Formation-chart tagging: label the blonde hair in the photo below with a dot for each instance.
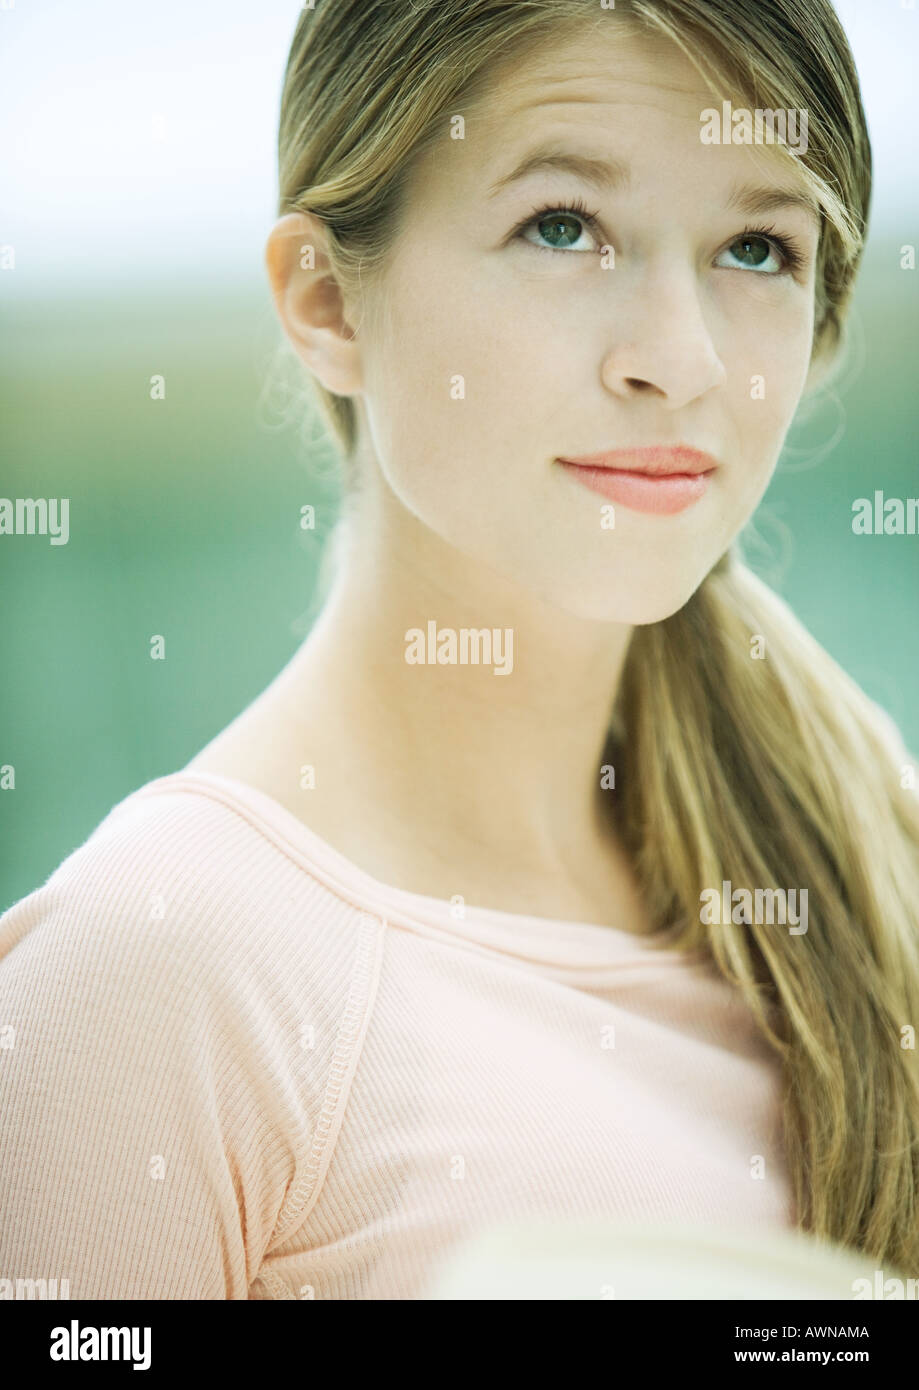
(778, 771)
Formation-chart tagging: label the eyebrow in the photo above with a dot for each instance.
(601, 174)
(609, 175)
(753, 199)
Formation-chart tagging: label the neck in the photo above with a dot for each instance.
(463, 759)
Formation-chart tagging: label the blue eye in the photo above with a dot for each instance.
(763, 252)
(759, 249)
(561, 227)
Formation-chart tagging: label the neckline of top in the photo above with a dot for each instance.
(552, 941)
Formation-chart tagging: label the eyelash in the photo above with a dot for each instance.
(789, 249)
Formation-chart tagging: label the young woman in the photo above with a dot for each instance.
(560, 873)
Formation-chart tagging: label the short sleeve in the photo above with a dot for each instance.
(139, 1156)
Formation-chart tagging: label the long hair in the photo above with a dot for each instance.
(777, 771)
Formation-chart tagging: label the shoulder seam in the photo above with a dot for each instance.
(272, 836)
(352, 1030)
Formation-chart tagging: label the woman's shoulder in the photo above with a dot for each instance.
(177, 1003)
(187, 879)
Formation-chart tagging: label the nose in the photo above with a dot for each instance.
(661, 343)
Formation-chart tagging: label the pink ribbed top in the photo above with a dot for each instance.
(234, 1065)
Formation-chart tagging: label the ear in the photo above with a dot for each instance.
(309, 302)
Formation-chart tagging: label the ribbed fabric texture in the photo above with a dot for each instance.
(235, 1066)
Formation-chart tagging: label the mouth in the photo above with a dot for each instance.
(657, 480)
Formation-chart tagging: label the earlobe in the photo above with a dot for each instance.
(309, 301)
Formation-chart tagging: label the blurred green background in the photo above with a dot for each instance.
(184, 513)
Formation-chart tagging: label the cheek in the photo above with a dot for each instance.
(767, 379)
(456, 386)
(471, 388)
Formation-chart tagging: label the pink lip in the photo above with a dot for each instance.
(660, 481)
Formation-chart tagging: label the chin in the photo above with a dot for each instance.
(632, 608)
(636, 599)
(644, 614)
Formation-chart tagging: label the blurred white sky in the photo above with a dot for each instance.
(137, 142)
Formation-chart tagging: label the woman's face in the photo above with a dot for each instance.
(501, 342)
